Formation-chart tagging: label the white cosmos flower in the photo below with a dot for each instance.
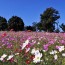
(55, 57)
(53, 52)
(63, 54)
(27, 49)
(32, 40)
(3, 56)
(16, 53)
(24, 44)
(39, 55)
(9, 57)
(37, 58)
(34, 51)
(27, 41)
(1, 59)
(44, 50)
(61, 48)
(38, 43)
(37, 52)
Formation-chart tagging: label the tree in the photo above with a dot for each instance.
(62, 26)
(15, 23)
(29, 28)
(3, 24)
(48, 19)
(39, 26)
(34, 25)
(57, 30)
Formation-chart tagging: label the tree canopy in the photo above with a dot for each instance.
(47, 22)
(15, 23)
(48, 19)
(30, 28)
(62, 26)
(3, 24)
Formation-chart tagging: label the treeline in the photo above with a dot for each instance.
(48, 22)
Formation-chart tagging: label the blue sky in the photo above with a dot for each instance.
(30, 10)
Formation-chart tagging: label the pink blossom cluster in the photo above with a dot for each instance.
(31, 46)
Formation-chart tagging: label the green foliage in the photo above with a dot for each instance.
(15, 23)
(34, 25)
(3, 23)
(57, 30)
(48, 18)
(37, 26)
(62, 26)
(29, 28)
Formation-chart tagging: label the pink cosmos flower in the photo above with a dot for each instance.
(51, 42)
(62, 41)
(45, 47)
(57, 47)
(9, 46)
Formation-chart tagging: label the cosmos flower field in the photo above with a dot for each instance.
(32, 48)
